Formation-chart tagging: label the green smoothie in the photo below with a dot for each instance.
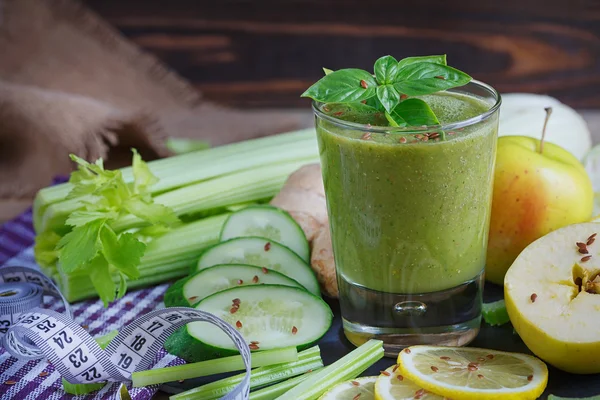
(409, 213)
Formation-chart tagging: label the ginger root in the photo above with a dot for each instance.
(303, 197)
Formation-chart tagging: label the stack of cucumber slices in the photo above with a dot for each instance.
(258, 280)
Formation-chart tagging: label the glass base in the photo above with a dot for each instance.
(446, 318)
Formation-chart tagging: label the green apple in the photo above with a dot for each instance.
(552, 294)
(538, 187)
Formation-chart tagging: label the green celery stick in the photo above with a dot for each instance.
(495, 313)
(308, 360)
(212, 367)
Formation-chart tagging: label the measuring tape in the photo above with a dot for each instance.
(31, 332)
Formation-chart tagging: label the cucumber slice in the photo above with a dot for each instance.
(268, 222)
(189, 291)
(261, 252)
(267, 315)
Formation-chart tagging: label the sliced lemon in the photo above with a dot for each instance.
(469, 373)
(391, 385)
(357, 389)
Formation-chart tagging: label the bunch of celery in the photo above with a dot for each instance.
(148, 223)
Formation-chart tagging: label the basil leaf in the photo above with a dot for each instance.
(441, 59)
(388, 96)
(327, 71)
(415, 112)
(343, 86)
(425, 78)
(375, 103)
(395, 119)
(386, 69)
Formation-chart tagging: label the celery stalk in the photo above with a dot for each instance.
(212, 367)
(346, 368)
(85, 388)
(274, 391)
(51, 210)
(309, 359)
(495, 313)
(167, 257)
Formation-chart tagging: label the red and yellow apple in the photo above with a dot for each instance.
(535, 192)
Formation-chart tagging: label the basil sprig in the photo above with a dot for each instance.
(389, 87)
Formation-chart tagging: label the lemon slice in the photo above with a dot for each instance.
(469, 373)
(392, 386)
(357, 389)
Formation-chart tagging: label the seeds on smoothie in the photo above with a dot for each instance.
(337, 114)
(586, 258)
(255, 279)
(363, 83)
(366, 136)
(583, 251)
(533, 297)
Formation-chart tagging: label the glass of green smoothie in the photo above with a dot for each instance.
(407, 157)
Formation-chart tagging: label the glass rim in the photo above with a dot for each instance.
(424, 128)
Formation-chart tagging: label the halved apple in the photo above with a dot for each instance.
(552, 294)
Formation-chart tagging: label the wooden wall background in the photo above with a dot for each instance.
(266, 52)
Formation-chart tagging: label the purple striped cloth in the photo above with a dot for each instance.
(37, 379)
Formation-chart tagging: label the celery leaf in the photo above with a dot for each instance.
(82, 217)
(80, 246)
(45, 248)
(122, 252)
(142, 177)
(122, 289)
(151, 212)
(102, 279)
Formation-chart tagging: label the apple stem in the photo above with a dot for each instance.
(548, 114)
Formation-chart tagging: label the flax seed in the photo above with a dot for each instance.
(356, 397)
(10, 382)
(238, 325)
(233, 310)
(240, 282)
(264, 270)
(363, 83)
(444, 358)
(255, 279)
(384, 373)
(400, 378)
(533, 297)
(434, 368)
(590, 241)
(395, 368)
(267, 247)
(366, 136)
(253, 347)
(586, 258)
(407, 350)
(294, 330)
(530, 378)
(592, 236)
(355, 383)
(402, 139)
